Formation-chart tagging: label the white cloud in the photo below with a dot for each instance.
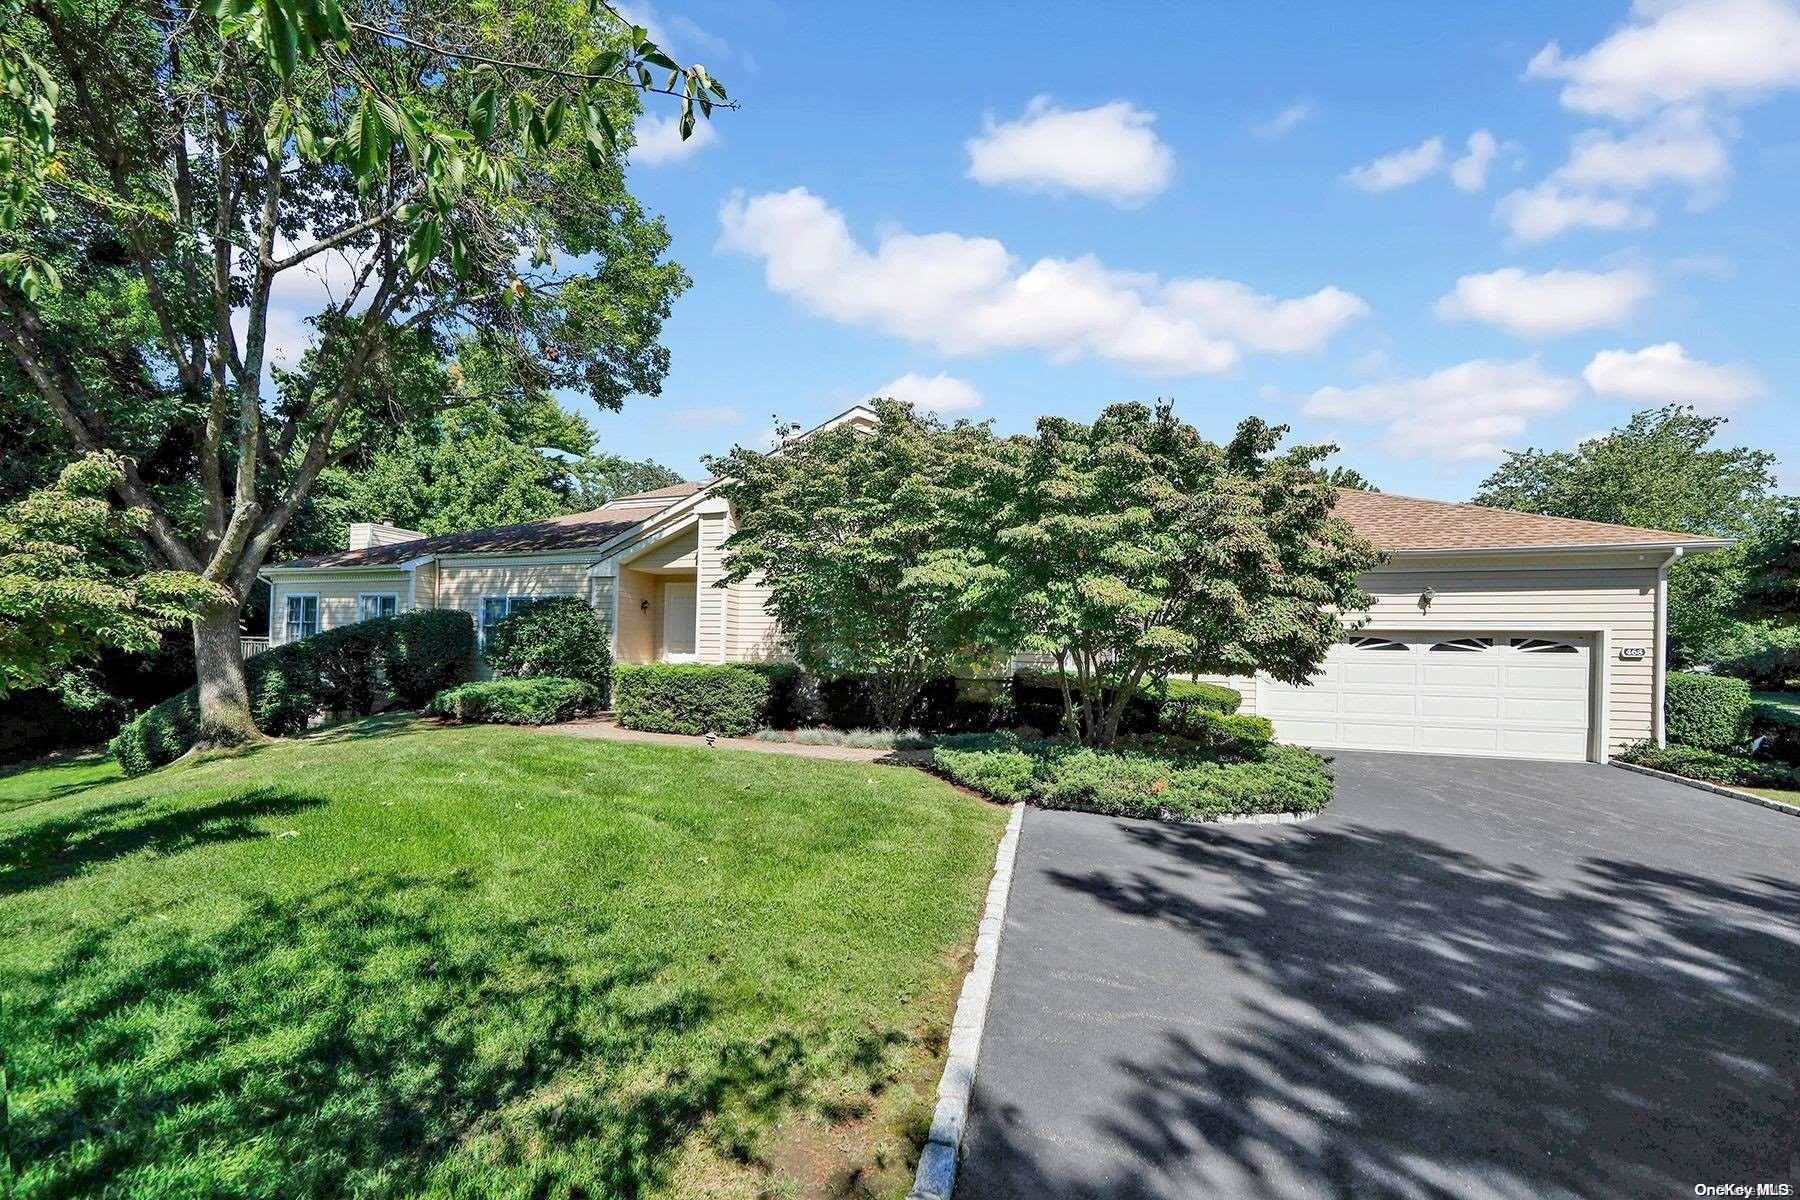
(1109, 151)
(1469, 411)
(710, 416)
(1399, 169)
(1543, 305)
(1664, 374)
(931, 393)
(1682, 147)
(1470, 172)
(967, 295)
(1286, 121)
(1261, 322)
(1675, 52)
(659, 139)
(1549, 209)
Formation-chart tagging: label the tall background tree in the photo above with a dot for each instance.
(458, 165)
(1661, 470)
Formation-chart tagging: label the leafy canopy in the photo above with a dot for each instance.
(70, 583)
(869, 543)
(1133, 549)
(1660, 470)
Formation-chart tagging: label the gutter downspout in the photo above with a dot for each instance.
(1660, 668)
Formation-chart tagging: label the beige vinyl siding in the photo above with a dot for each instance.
(753, 635)
(601, 597)
(635, 640)
(424, 587)
(675, 554)
(337, 592)
(462, 584)
(709, 639)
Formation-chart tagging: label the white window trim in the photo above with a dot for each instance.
(361, 596)
(318, 615)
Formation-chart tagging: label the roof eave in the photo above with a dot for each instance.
(1687, 546)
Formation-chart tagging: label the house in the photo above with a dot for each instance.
(1492, 633)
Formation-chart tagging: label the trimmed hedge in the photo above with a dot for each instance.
(1197, 784)
(559, 637)
(730, 699)
(1711, 712)
(1191, 692)
(347, 671)
(1712, 766)
(540, 700)
(1211, 728)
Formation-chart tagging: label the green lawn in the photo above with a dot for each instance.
(1787, 700)
(1785, 795)
(399, 960)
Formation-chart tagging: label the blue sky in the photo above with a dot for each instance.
(1425, 232)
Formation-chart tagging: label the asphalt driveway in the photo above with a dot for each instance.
(1470, 978)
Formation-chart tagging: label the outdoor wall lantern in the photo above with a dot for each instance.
(1425, 599)
(643, 606)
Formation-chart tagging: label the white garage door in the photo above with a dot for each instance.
(1511, 696)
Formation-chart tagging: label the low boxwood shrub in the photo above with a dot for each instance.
(1713, 766)
(1196, 783)
(1711, 712)
(558, 636)
(1212, 728)
(540, 700)
(1191, 692)
(347, 671)
(731, 699)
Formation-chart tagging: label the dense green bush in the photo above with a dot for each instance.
(1212, 728)
(1711, 712)
(540, 700)
(1038, 703)
(1197, 783)
(346, 671)
(730, 699)
(1773, 667)
(1778, 725)
(1711, 765)
(558, 636)
(1192, 692)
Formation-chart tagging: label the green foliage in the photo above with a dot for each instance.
(1349, 477)
(348, 671)
(72, 582)
(1774, 666)
(1711, 712)
(730, 699)
(1134, 549)
(458, 942)
(1212, 728)
(1772, 565)
(1713, 766)
(559, 636)
(542, 700)
(1196, 784)
(1214, 696)
(1659, 471)
(864, 541)
(1776, 720)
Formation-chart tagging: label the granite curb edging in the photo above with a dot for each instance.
(936, 1177)
(1715, 788)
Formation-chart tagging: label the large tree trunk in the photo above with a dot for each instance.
(219, 662)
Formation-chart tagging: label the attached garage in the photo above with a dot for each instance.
(1505, 695)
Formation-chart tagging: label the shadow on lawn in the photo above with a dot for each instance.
(389, 1035)
(47, 851)
(1419, 1022)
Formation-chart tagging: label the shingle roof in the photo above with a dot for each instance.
(1399, 523)
(570, 532)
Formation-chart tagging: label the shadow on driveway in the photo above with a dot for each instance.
(1489, 989)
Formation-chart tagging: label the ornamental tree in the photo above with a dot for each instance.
(1132, 549)
(870, 542)
(71, 582)
(440, 169)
